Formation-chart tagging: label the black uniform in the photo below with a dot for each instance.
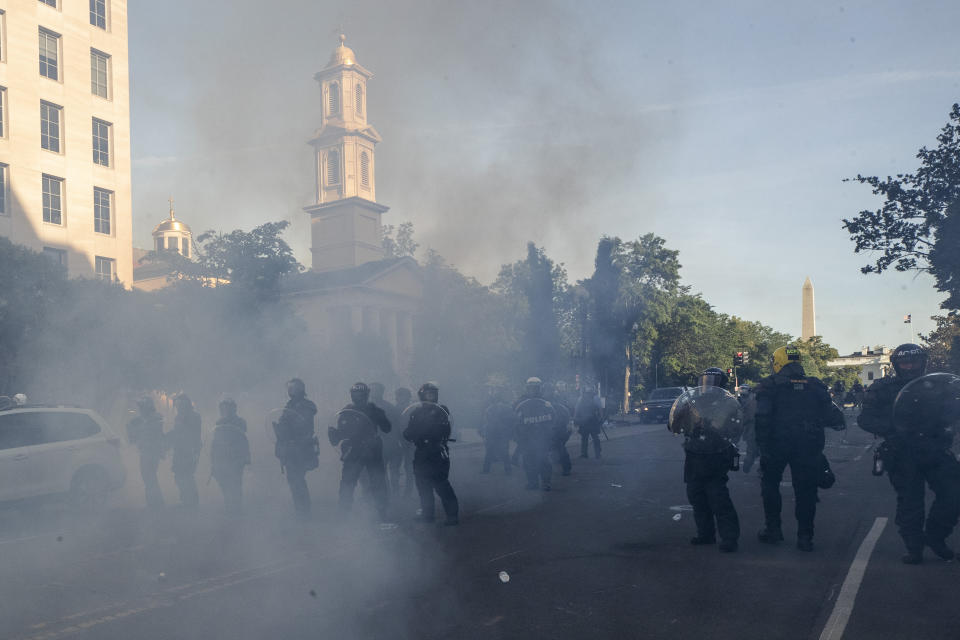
(535, 421)
(297, 448)
(911, 462)
(748, 402)
(792, 411)
(709, 456)
(229, 454)
(362, 449)
(185, 440)
(499, 422)
(428, 429)
(145, 431)
(559, 437)
(588, 416)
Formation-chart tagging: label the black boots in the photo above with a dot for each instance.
(770, 536)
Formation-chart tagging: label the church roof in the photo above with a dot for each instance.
(171, 224)
(342, 54)
(341, 278)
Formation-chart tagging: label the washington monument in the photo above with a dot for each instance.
(808, 328)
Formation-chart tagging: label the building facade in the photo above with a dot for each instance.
(353, 288)
(874, 363)
(65, 133)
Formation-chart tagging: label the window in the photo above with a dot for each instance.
(102, 199)
(3, 190)
(3, 112)
(186, 247)
(49, 54)
(334, 98)
(98, 13)
(49, 3)
(869, 375)
(99, 74)
(58, 256)
(104, 267)
(359, 100)
(3, 36)
(333, 167)
(160, 243)
(364, 169)
(173, 243)
(50, 118)
(101, 142)
(52, 199)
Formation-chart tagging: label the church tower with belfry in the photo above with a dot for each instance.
(345, 219)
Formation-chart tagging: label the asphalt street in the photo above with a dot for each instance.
(606, 554)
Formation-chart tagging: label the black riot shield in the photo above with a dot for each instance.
(706, 409)
(928, 406)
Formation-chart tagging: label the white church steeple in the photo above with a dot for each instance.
(345, 219)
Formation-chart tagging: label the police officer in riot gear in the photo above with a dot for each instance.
(560, 432)
(498, 425)
(792, 411)
(185, 440)
(229, 454)
(357, 431)
(402, 398)
(392, 440)
(710, 420)
(145, 432)
(428, 428)
(296, 445)
(588, 416)
(535, 421)
(914, 458)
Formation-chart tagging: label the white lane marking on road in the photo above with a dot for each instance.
(843, 607)
(506, 555)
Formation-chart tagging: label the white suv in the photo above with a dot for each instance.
(58, 450)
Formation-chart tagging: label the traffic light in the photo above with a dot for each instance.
(746, 357)
(738, 359)
(729, 372)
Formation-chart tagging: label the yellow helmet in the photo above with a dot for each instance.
(783, 356)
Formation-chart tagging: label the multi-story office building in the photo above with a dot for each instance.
(65, 133)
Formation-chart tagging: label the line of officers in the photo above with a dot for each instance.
(783, 421)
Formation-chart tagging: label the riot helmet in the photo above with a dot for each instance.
(359, 393)
(909, 361)
(403, 396)
(534, 387)
(376, 391)
(296, 388)
(714, 377)
(429, 392)
(228, 407)
(784, 356)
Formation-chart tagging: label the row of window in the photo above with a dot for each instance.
(174, 243)
(105, 268)
(98, 11)
(333, 99)
(50, 64)
(52, 189)
(333, 168)
(51, 130)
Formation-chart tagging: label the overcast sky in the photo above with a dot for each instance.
(728, 131)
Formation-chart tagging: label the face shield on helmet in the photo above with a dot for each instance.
(714, 377)
(909, 361)
(429, 392)
(359, 393)
(784, 356)
(296, 388)
(534, 387)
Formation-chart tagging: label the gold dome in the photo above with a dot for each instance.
(172, 224)
(342, 54)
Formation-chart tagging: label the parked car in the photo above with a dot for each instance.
(46, 451)
(656, 408)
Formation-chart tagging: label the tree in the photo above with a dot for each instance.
(537, 288)
(398, 242)
(943, 344)
(918, 225)
(815, 354)
(254, 261)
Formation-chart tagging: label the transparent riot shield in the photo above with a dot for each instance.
(706, 409)
(929, 406)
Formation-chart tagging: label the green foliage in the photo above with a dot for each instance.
(398, 242)
(943, 344)
(815, 353)
(918, 225)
